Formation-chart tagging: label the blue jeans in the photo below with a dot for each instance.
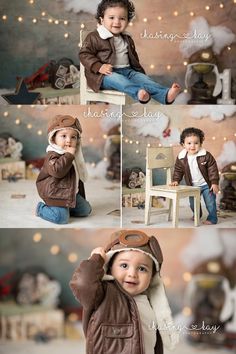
(130, 82)
(60, 215)
(210, 202)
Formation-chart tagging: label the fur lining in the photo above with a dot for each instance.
(109, 255)
(105, 34)
(158, 300)
(183, 153)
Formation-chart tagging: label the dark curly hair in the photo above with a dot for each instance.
(104, 4)
(192, 131)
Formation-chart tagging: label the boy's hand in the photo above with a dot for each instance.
(106, 69)
(70, 149)
(101, 251)
(174, 183)
(214, 188)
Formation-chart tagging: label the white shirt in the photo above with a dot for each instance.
(121, 47)
(147, 317)
(197, 177)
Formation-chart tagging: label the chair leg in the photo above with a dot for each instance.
(175, 220)
(196, 210)
(170, 209)
(148, 200)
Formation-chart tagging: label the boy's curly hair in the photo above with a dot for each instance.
(192, 131)
(104, 4)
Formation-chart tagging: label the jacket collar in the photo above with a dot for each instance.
(183, 153)
(105, 34)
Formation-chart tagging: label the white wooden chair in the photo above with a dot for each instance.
(157, 157)
(87, 95)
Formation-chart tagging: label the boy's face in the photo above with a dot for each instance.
(66, 138)
(133, 271)
(192, 144)
(115, 19)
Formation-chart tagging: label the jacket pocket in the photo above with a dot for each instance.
(117, 338)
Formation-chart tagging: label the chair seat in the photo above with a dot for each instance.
(108, 92)
(175, 189)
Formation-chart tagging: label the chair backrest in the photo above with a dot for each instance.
(159, 157)
(83, 81)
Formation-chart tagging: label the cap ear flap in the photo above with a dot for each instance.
(78, 125)
(156, 249)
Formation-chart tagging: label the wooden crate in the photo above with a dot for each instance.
(10, 168)
(24, 322)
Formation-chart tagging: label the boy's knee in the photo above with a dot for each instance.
(61, 216)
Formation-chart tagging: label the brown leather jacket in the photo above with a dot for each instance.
(206, 163)
(96, 51)
(110, 316)
(56, 181)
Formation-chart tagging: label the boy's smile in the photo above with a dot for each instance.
(133, 271)
(115, 19)
(192, 144)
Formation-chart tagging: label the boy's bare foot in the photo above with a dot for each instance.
(173, 92)
(143, 96)
(207, 222)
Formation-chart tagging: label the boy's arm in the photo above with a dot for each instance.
(59, 165)
(86, 283)
(88, 54)
(213, 172)
(178, 171)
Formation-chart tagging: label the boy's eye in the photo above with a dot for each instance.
(124, 265)
(142, 269)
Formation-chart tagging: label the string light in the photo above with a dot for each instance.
(152, 66)
(20, 19)
(185, 91)
(104, 136)
(31, 2)
(50, 20)
(185, 63)
(37, 237)
(66, 35)
(6, 114)
(91, 140)
(168, 67)
(82, 25)
(65, 22)
(221, 6)
(187, 311)
(131, 24)
(137, 151)
(4, 17)
(39, 132)
(34, 20)
(56, 22)
(19, 106)
(159, 18)
(72, 257)
(187, 276)
(175, 13)
(229, 48)
(131, 142)
(17, 121)
(207, 7)
(191, 13)
(213, 138)
(145, 19)
(55, 249)
(43, 13)
(137, 142)
(29, 126)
